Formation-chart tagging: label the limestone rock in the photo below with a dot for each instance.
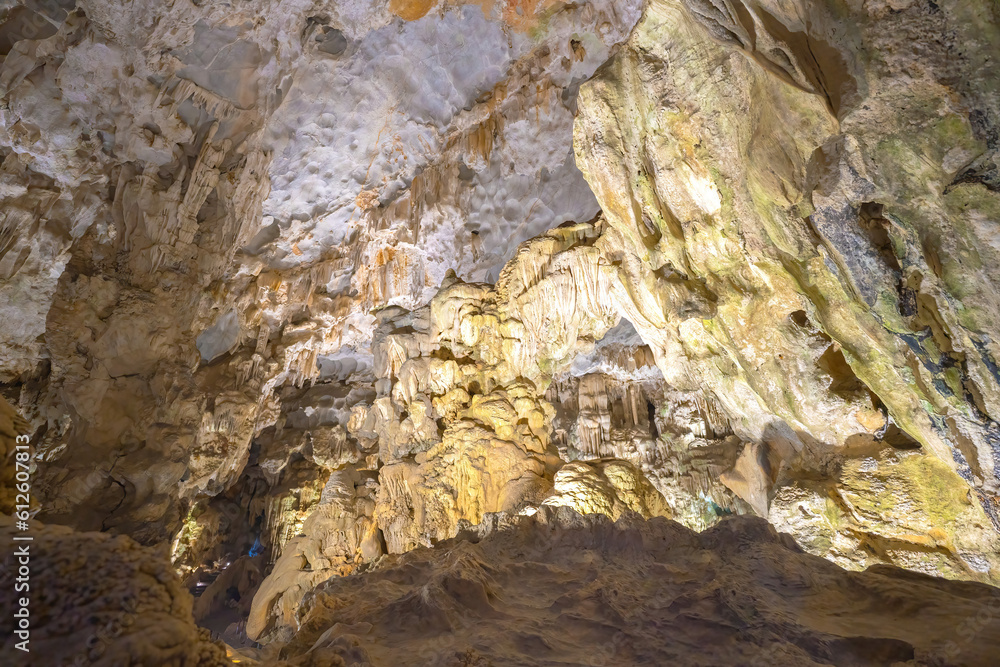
(752, 477)
(193, 221)
(295, 287)
(606, 487)
(801, 202)
(103, 600)
(464, 429)
(894, 506)
(559, 587)
(613, 402)
(338, 536)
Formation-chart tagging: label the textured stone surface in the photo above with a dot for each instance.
(606, 487)
(558, 588)
(203, 203)
(894, 506)
(292, 285)
(807, 187)
(339, 535)
(97, 599)
(463, 427)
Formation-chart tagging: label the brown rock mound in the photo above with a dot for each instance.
(98, 599)
(559, 588)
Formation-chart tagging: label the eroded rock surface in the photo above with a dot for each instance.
(98, 599)
(562, 588)
(204, 203)
(290, 286)
(339, 535)
(804, 197)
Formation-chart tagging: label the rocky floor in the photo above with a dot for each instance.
(563, 589)
(553, 588)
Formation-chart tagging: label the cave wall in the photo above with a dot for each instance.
(337, 280)
(823, 183)
(193, 222)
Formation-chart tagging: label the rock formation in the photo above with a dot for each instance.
(202, 246)
(734, 148)
(98, 599)
(562, 588)
(815, 187)
(291, 289)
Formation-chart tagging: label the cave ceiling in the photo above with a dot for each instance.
(291, 289)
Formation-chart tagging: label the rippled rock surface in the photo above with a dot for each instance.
(560, 588)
